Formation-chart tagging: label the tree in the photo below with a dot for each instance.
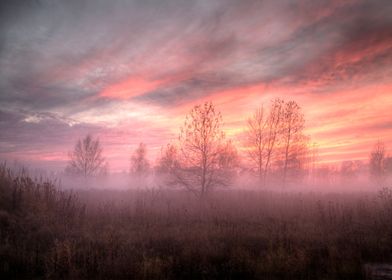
(377, 161)
(86, 159)
(167, 165)
(229, 161)
(256, 140)
(139, 163)
(168, 160)
(293, 140)
(204, 155)
(350, 169)
(276, 140)
(313, 161)
(273, 130)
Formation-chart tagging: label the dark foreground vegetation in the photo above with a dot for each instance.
(151, 234)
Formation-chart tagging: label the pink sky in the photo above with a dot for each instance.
(133, 76)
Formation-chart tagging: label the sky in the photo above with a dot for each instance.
(129, 71)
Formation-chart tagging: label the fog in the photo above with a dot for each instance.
(175, 139)
(123, 181)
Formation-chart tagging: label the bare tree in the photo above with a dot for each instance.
(293, 140)
(350, 169)
(377, 161)
(139, 163)
(86, 159)
(168, 159)
(275, 140)
(313, 161)
(229, 161)
(203, 152)
(256, 140)
(167, 165)
(273, 130)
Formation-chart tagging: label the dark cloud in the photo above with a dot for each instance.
(318, 52)
(43, 136)
(357, 48)
(197, 86)
(28, 131)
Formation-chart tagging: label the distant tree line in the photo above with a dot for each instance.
(202, 158)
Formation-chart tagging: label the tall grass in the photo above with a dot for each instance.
(167, 234)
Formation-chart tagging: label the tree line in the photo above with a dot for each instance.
(275, 148)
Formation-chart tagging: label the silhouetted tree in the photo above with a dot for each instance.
(204, 153)
(293, 140)
(139, 163)
(168, 159)
(229, 161)
(276, 140)
(167, 164)
(273, 130)
(257, 140)
(377, 161)
(313, 161)
(350, 168)
(86, 159)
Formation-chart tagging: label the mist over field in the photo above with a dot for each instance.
(206, 139)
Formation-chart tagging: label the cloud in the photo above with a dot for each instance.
(44, 136)
(67, 67)
(36, 131)
(362, 52)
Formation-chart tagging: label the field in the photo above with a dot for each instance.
(169, 234)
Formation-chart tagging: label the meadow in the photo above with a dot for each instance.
(50, 233)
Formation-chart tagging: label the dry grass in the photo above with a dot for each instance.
(167, 234)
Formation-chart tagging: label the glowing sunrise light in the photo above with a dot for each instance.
(138, 73)
(131, 87)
